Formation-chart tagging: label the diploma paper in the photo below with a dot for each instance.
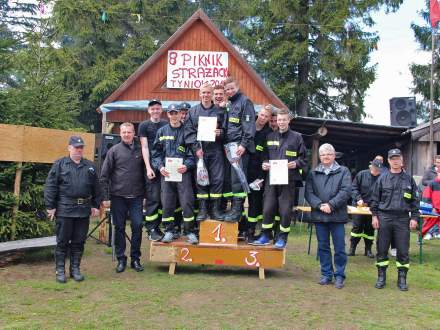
(171, 165)
(278, 173)
(206, 129)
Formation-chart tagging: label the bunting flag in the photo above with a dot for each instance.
(434, 12)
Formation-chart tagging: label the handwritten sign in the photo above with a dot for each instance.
(187, 69)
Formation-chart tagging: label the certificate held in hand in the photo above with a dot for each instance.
(206, 129)
(278, 172)
(172, 165)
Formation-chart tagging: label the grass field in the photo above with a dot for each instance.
(212, 297)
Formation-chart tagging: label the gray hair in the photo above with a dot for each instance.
(327, 147)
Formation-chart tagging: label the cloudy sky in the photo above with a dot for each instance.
(397, 49)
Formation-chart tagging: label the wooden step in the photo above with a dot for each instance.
(213, 232)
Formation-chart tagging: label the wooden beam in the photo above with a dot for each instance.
(172, 269)
(261, 273)
(17, 184)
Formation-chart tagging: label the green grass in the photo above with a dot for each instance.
(210, 297)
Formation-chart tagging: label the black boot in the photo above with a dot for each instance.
(216, 212)
(75, 262)
(250, 232)
(368, 252)
(352, 251)
(203, 210)
(381, 277)
(60, 262)
(235, 214)
(122, 263)
(401, 279)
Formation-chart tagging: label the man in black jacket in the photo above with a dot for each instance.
(287, 145)
(147, 133)
(431, 173)
(71, 194)
(394, 206)
(363, 184)
(122, 177)
(170, 143)
(210, 152)
(328, 190)
(239, 128)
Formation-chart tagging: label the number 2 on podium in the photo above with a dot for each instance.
(218, 233)
(184, 253)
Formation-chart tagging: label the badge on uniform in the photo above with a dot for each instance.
(248, 117)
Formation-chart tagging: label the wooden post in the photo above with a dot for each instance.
(315, 156)
(17, 183)
(172, 268)
(261, 273)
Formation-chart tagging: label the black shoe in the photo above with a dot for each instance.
(203, 210)
(401, 280)
(325, 281)
(352, 251)
(155, 235)
(381, 277)
(368, 253)
(122, 263)
(235, 214)
(339, 282)
(136, 265)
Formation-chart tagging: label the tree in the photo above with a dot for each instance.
(422, 72)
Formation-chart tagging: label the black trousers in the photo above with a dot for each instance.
(255, 208)
(182, 192)
(71, 233)
(362, 228)
(214, 162)
(393, 226)
(278, 199)
(123, 208)
(236, 187)
(153, 207)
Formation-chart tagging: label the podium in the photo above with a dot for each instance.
(218, 245)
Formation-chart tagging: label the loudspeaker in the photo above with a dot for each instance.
(104, 142)
(403, 111)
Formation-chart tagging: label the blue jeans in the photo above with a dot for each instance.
(337, 231)
(121, 209)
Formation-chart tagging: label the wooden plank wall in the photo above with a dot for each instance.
(151, 84)
(39, 145)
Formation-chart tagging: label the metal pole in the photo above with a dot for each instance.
(431, 100)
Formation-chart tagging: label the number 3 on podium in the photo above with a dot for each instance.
(252, 261)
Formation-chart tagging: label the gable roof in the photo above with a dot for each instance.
(199, 15)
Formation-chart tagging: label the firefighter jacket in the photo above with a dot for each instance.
(122, 173)
(256, 159)
(395, 193)
(363, 185)
(192, 124)
(240, 122)
(288, 145)
(170, 142)
(72, 188)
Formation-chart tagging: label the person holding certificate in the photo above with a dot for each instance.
(284, 158)
(203, 134)
(175, 161)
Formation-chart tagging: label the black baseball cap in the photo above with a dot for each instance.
(173, 107)
(394, 152)
(76, 141)
(184, 106)
(153, 102)
(376, 163)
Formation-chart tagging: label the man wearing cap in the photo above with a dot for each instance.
(72, 194)
(122, 178)
(210, 152)
(147, 133)
(394, 206)
(363, 184)
(184, 108)
(169, 145)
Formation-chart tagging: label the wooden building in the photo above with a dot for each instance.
(149, 81)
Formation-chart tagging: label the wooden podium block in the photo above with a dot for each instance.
(213, 232)
(240, 255)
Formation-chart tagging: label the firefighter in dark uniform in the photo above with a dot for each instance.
(170, 143)
(147, 133)
(362, 188)
(255, 171)
(394, 206)
(72, 194)
(239, 128)
(282, 144)
(211, 152)
(184, 108)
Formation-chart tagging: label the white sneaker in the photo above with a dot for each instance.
(437, 236)
(393, 252)
(427, 237)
